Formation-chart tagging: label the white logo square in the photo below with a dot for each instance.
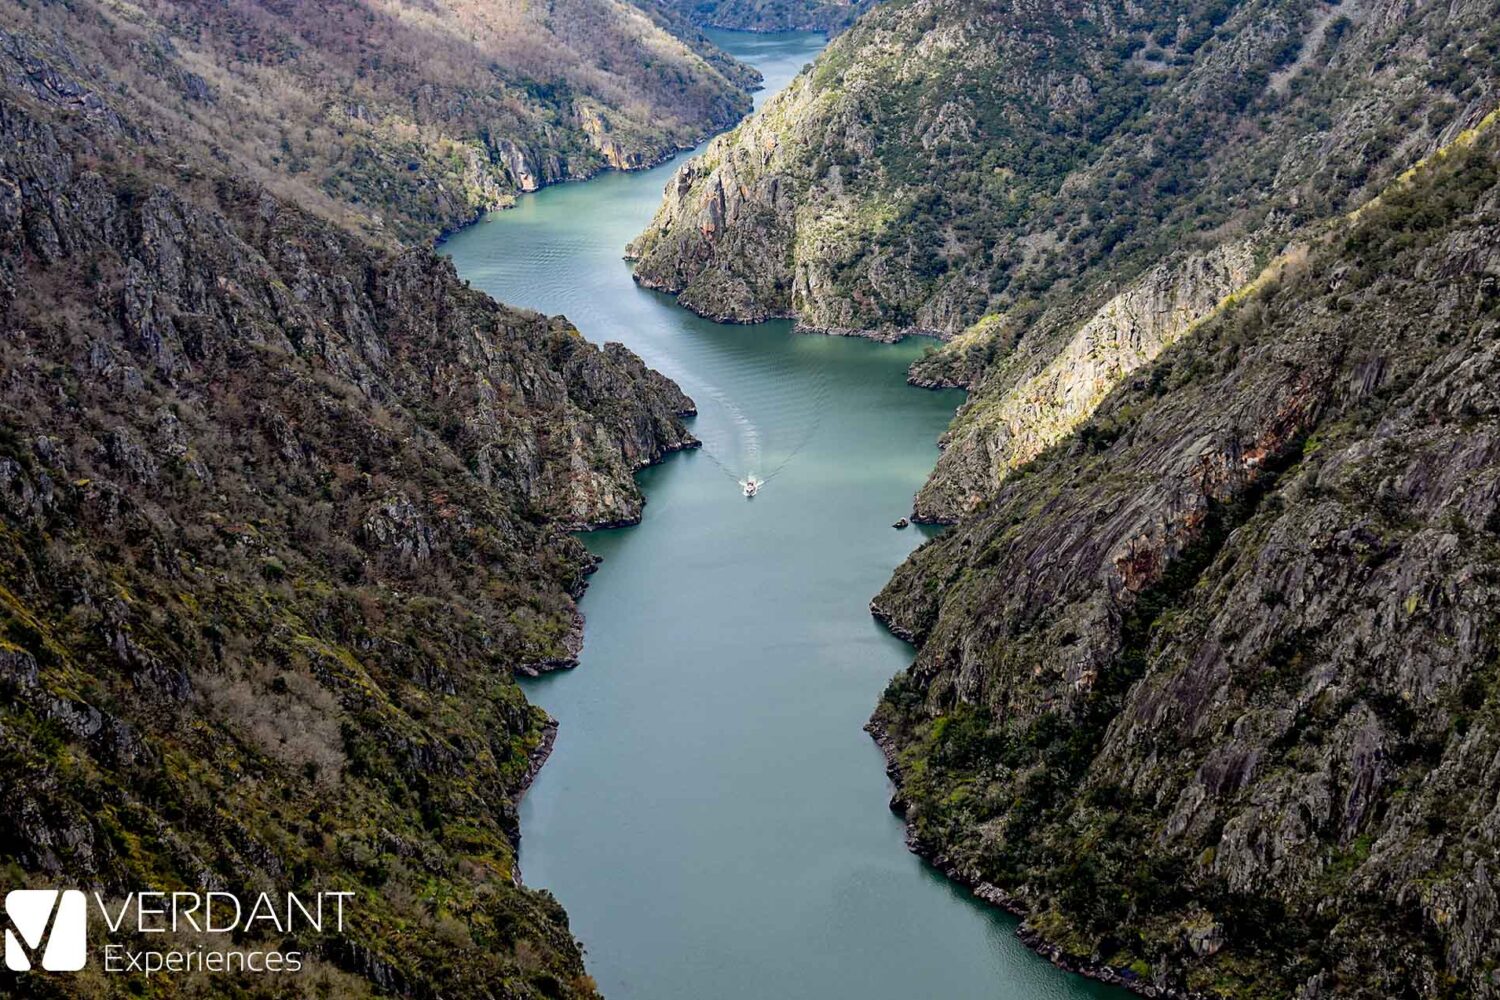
(32, 912)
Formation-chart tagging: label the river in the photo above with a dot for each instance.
(713, 817)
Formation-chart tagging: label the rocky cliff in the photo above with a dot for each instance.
(1207, 689)
(948, 159)
(1061, 189)
(1033, 402)
(400, 120)
(282, 514)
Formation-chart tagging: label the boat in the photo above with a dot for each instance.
(751, 487)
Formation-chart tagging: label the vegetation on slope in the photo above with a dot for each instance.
(399, 118)
(1205, 672)
(771, 15)
(281, 516)
(946, 159)
(1208, 688)
(1063, 189)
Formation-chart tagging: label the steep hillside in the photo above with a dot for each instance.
(402, 118)
(1209, 688)
(771, 15)
(1063, 189)
(281, 517)
(945, 159)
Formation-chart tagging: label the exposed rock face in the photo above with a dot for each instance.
(708, 227)
(1209, 687)
(601, 133)
(400, 120)
(281, 515)
(1009, 427)
(1035, 192)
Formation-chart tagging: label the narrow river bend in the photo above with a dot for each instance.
(713, 817)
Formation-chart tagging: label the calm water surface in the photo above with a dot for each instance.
(713, 817)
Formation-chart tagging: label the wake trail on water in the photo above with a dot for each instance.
(746, 435)
(791, 408)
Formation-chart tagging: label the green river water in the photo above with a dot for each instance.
(713, 817)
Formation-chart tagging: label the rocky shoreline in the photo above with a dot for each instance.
(638, 162)
(996, 896)
(721, 317)
(935, 382)
(572, 644)
(690, 443)
(883, 335)
(885, 618)
(536, 759)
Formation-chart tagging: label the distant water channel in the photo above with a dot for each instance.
(713, 817)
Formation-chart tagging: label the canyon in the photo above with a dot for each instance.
(1206, 648)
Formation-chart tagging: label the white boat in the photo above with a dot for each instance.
(751, 487)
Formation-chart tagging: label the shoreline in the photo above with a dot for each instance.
(995, 896)
(883, 335)
(649, 161)
(536, 760)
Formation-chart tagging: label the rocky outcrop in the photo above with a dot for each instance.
(716, 216)
(282, 515)
(1004, 429)
(1206, 689)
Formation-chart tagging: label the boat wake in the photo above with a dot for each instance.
(772, 427)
